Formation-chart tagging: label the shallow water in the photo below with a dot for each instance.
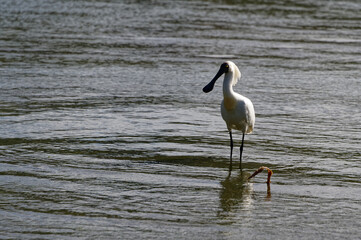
(106, 133)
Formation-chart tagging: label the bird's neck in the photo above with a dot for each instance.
(229, 97)
(227, 85)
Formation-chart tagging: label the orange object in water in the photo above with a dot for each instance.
(260, 170)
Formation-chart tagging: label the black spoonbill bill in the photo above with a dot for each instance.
(237, 111)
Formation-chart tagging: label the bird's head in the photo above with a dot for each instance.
(226, 68)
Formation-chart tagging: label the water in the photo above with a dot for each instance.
(106, 133)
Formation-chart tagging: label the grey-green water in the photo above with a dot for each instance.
(105, 132)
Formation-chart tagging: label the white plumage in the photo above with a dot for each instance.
(237, 111)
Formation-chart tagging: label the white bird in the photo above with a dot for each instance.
(237, 111)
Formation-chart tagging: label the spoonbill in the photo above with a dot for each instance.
(237, 111)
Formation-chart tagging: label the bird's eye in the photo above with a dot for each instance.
(225, 65)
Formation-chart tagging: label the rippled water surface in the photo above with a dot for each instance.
(105, 132)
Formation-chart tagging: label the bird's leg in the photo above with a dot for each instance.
(230, 158)
(241, 150)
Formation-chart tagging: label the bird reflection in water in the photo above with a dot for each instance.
(238, 190)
